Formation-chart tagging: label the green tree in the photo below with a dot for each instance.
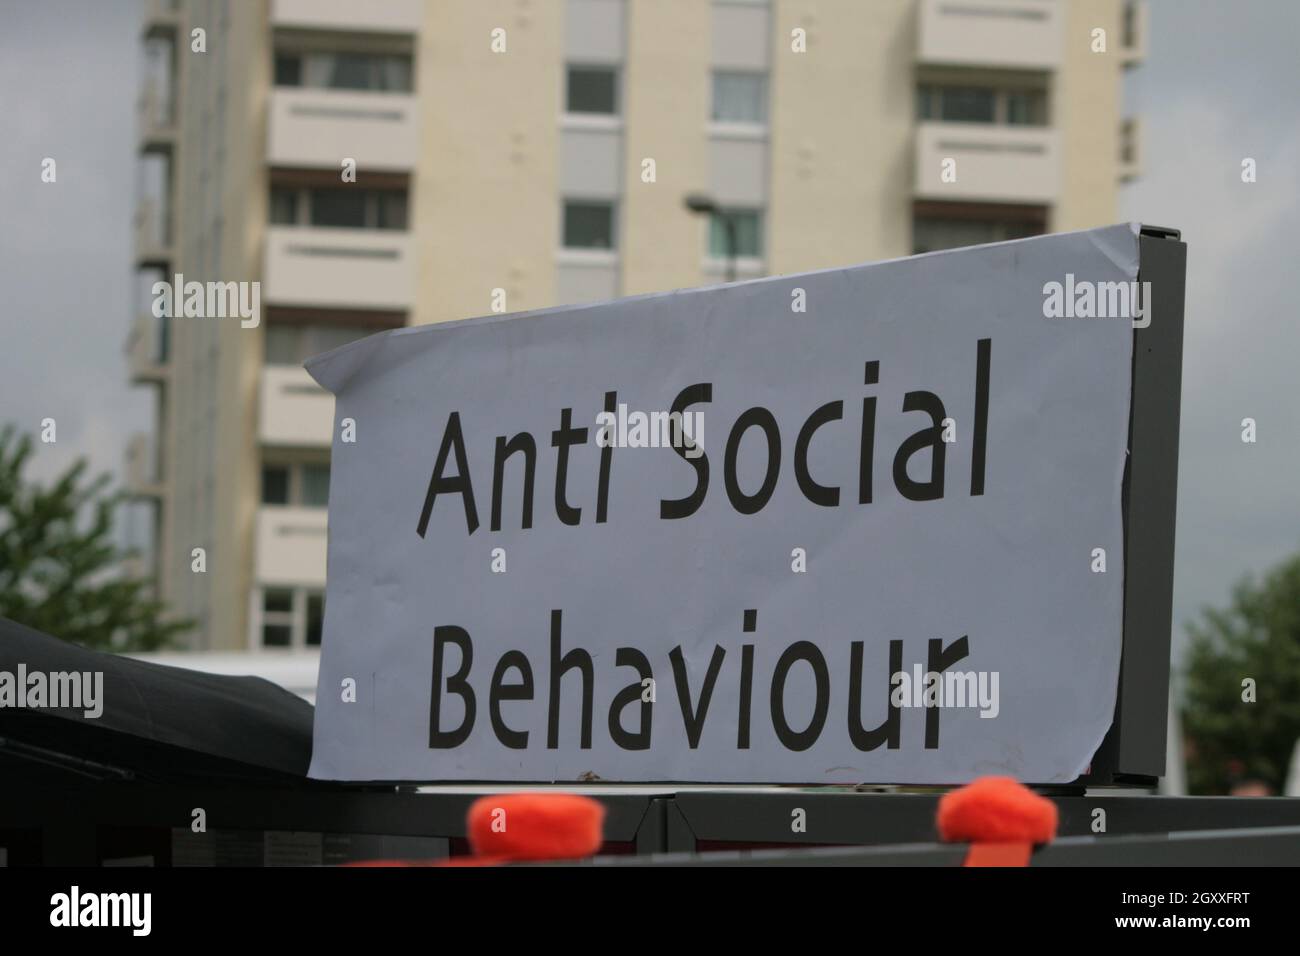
(1257, 638)
(59, 570)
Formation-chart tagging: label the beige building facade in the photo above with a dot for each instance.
(517, 154)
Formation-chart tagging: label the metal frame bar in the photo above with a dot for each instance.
(1134, 748)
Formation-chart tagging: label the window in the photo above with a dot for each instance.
(344, 71)
(294, 344)
(288, 69)
(344, 207)
(315, 618)
(277, 617)
(588, 225)
(391, 209)
(275, 485)
(302, 484)
(592, 89)
(748, 224)
(932, 234)
(338, 207)
(292, 617)
(1026, 107)
(971, 104)
(315, 485)
(739, 97)
(284, 206)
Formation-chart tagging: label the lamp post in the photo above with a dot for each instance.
(706, 206)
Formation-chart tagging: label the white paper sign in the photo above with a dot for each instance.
(908, 469)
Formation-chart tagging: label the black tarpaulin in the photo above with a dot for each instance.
(157, 722)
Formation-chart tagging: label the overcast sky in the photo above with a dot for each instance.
(1220, 84)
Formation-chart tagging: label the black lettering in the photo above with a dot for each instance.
(817, 494)
(576, 658)
(805, 651)
(521, 442)
(685, 507)
(694, 721)
(750, 504)
(499, 691)
(931, 437)
(561, 439)
(887, 732)
(631, 694)
(456, 684)
(452, 440)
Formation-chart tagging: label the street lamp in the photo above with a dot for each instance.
(706, 206)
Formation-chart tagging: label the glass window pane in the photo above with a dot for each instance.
(283, 345)
(1026, 108)
(931, 235)
(588, 225)
(315, 618)
(277, 600)
(392, 209)
(748, 226)
(592, 90)
(275, 487)
(315, 485)
(288, 69)
(967, 104)
(276, 635)
(338, 207)
(284, 206)
(353, 71)
(740, 97)
(924, 99)
(395, 74)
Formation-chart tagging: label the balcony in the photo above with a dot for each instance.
(391, 16)
(1133, 32)
(1015, 164)
(1130, 149)
(293, 410)
(161, 17)
(318, 128)
(321, 267)
(152, 235)
(142, 473)
(146, 351)
(291, 545)
(1001, 34)
(155, 120)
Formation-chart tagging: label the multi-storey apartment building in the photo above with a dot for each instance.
(539, 152)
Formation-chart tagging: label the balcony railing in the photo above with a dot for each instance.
(293, 410)
(1007, 34)
(1017, 164)
(339, 268)
(1135, 18)
(161, 17)
(318, 128)
(152, 234)
(142, 473)
(1130, 149)
(155, 118)
(146, 350)
(291, 545)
